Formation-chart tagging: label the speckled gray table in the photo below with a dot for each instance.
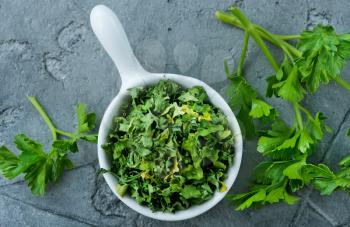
(48, 50)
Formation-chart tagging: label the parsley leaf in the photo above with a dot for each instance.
(243, 99)
(86, 122)
(290, 89)
(325, 180)
(260, 109)
(270, 185)
(324, 54)
(240, 97)
(9, 163)
(40, 167)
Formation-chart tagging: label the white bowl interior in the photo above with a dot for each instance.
(105, 161)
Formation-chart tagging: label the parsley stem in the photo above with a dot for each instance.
(264, 49)
(232, 20)
(243, 54)
(298, 115)
(249, 27)
(68, 134)
(44, 115)
(228, 19)
(275, 40)
(305, 110)
(342, 83)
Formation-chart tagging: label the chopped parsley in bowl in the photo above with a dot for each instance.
(170, 147)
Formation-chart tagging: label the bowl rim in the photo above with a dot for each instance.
(194, 210)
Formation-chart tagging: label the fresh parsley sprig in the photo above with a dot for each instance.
(320, 54)
(42, 167)
(319, 57)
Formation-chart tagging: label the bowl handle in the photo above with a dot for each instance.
(111, 35)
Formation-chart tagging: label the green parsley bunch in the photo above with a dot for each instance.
(318, 57)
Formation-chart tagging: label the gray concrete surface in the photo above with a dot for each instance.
(47, 49)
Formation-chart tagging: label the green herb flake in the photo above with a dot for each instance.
(172, 149)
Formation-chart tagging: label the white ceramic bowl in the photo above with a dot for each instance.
(110, 33)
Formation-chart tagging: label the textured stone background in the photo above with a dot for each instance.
(48, 50)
